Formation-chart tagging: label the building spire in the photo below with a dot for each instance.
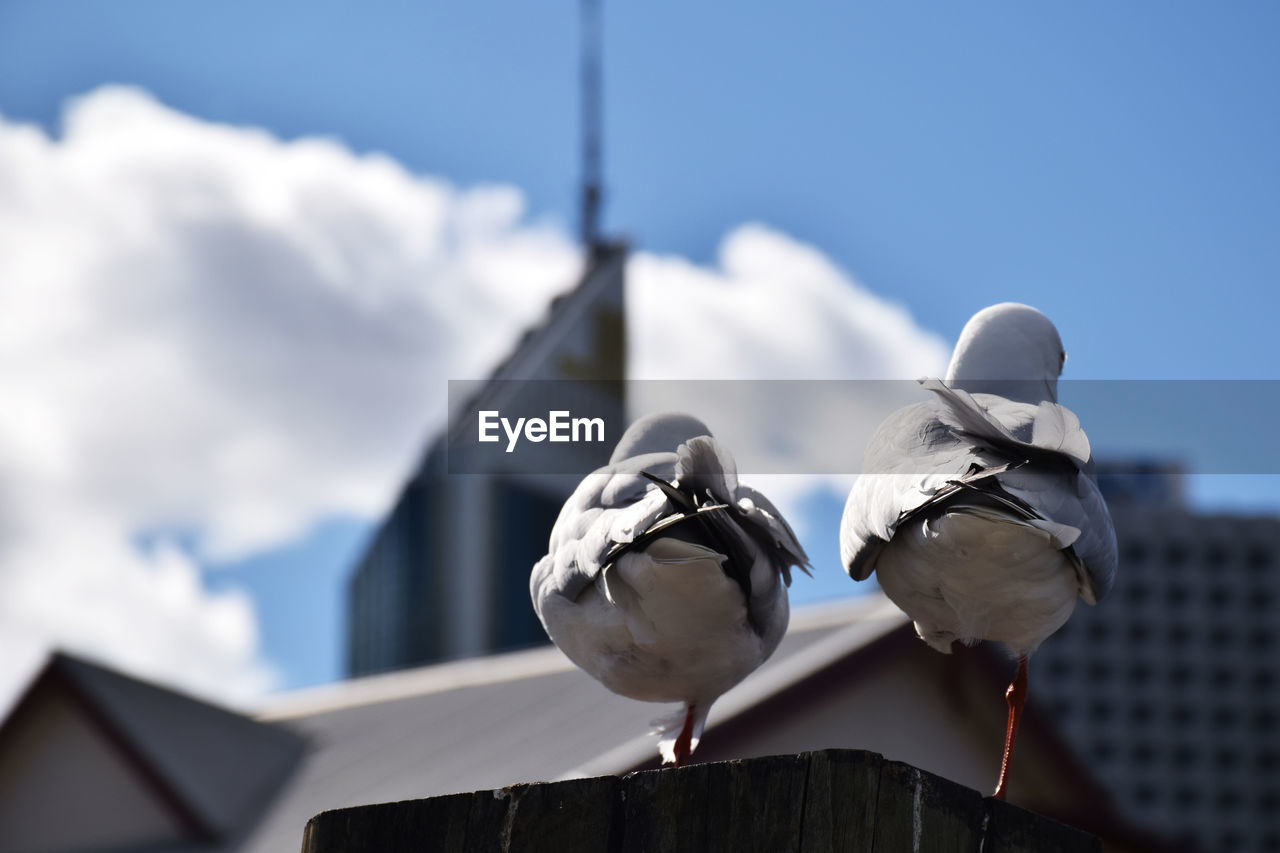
(591, 123)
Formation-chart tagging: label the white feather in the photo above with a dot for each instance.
(662, 620)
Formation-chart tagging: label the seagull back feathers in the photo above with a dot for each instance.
(1029, 459)
(690, 491)
(1055, 430)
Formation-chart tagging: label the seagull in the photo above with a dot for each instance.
(978, 509)
(665, 578)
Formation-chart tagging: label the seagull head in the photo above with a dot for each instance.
(659, 433)
(1009, 349)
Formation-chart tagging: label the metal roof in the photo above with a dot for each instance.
(471, 725)
(518, 717)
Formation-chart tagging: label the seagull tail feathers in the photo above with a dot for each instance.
(705, 468)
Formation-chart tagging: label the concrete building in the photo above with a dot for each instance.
(1170, 689)
(447, 574)
(1151, 483)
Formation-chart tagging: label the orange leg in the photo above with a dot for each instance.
(684, 743)
(1017, 696)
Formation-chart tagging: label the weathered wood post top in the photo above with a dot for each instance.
(834, 800)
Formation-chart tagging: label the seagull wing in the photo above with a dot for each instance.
(1032, 462)
(772, 532)
(611, 506)
(1051, 471)
(706, 469)
(908, 461)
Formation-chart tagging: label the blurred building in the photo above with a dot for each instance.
(126, 766)
(92, 760)
(447, 575)
(1150, 483)
(1170, 688)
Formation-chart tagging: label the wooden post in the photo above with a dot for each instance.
(821, 802)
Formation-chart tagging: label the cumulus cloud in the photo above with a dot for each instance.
(210, 330)
(773, 308)
(239, 308)
(206, 329)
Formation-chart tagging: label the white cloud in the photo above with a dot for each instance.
(775, 309)
(205, 328)
(209, 329)
(205, 312)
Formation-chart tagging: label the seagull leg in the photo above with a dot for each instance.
(684, 743)
(1017, 697)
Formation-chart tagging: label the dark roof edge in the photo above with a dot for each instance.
(57, 672)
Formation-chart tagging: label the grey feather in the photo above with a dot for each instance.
(620, 504)
(705, 468)
(1033, 459)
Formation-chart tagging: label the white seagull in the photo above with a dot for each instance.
(978, 509)
(665, 576)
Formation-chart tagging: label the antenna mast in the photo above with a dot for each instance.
(591, 123)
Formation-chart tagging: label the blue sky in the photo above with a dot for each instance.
(1113, 163)
(1116, 165)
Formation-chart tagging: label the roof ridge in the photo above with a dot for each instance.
(493, 669)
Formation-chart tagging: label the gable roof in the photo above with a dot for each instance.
(495, 721)
(490, 722)
(531, 716)
(214, 769)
